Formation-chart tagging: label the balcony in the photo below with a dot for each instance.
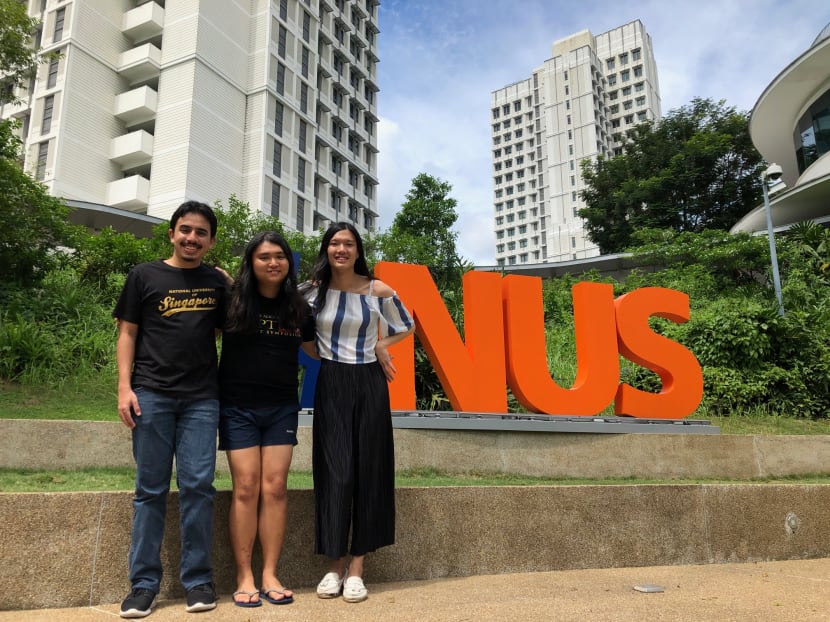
(131, 193)
(136, 106)
(140, 64)
(132, 150)
(143, 22)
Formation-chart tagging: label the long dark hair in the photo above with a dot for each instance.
(243, 312)
(321, 271)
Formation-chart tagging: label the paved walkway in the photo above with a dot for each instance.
(765, 591)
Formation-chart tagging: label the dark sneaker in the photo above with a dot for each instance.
(139, 603)
(201, 598)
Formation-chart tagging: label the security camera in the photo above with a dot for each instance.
(774, 172)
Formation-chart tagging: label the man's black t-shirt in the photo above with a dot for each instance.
(259, 369)
(177, 311)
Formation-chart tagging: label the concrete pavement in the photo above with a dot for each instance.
(763, 591)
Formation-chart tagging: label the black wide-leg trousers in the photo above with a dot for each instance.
(353, 460)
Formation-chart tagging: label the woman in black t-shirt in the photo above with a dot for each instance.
(267, 323)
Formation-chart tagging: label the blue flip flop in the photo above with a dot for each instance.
(248, 603)
(284, 600)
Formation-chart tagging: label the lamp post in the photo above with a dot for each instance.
(773, 173)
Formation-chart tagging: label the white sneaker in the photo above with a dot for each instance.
(331, 585)
(354, 591)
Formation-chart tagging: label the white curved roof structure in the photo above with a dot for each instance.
(772, 127)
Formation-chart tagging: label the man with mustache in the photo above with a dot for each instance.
(169, 315)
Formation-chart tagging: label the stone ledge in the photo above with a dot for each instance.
(81, 444)
(73, 546)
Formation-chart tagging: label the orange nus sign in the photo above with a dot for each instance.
(504, 345)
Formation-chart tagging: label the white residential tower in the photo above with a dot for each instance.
(576, 106)
(153, 102)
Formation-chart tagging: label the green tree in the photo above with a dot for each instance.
(33, 225)
(422, 231)
(696, 169)
(18, 59)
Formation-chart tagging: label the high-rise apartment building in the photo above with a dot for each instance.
(153, 102)
(576, 106)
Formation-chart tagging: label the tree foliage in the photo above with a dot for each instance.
(33, 225)
(422, 231)
(18, 59)
(694, 170)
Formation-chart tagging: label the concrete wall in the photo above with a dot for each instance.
(73, 546)
(70, 549)
(79, 444)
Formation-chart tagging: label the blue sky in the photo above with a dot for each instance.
(441, 59)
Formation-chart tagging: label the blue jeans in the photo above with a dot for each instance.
(185, 429)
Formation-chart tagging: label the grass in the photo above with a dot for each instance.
(76, 399)
(122, 479)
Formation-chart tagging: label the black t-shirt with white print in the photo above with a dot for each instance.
(177, 311)
(259, 369)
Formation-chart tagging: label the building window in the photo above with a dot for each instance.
(625, 75)
(300, 223)
(284, 10)
(638, 71)
(52, 79)
(281, 43)
(300, 174)
(609, 64)
(306, 27)
(48, 107)
(304, 97)
(277, 168)
(275, 199)
(42, 155)
(636, 54)
(624, 58)
(304, 62)
(278, 115)
(303, 132)
(60, 16)
(280, 78)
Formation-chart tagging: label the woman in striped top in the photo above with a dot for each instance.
(357, 319)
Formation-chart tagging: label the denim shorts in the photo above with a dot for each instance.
(240, 428)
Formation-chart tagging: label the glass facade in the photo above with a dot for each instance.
(812, 133)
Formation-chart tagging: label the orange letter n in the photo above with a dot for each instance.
(472, 372)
